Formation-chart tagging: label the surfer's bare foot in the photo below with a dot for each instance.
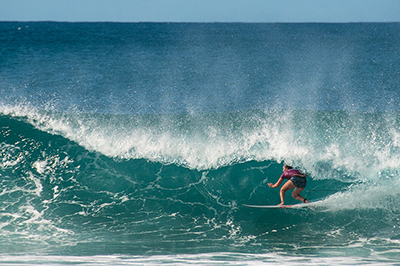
(282, 203)
(306, 201)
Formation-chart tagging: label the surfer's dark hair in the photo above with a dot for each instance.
(288, 166)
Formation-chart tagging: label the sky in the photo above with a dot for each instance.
(201, 10)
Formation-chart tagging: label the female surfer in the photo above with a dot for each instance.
(296, 180)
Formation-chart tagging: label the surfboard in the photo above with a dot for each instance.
(294, 206)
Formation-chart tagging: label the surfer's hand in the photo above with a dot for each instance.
(270, 185)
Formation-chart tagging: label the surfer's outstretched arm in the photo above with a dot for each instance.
(277, 184)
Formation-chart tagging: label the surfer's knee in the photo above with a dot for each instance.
(283, 189)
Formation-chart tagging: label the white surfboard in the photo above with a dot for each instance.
(294, 206)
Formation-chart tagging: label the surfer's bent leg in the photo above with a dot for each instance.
(300, 183)
(287, 186)
(296, 194)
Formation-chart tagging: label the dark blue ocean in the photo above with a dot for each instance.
(138, 143)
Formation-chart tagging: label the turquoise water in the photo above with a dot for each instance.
(139, 143)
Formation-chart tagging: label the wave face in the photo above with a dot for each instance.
(146, 139)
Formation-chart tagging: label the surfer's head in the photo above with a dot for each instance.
(286, 167)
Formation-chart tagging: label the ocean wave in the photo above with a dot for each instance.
(72, 177)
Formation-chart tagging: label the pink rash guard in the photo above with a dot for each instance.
(289, 173)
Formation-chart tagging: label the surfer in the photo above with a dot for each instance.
(296, 180)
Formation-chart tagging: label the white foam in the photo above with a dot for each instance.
(343, 148)
(199, 259)
(365, 196)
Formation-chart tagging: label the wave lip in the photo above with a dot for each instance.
(361, 144)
